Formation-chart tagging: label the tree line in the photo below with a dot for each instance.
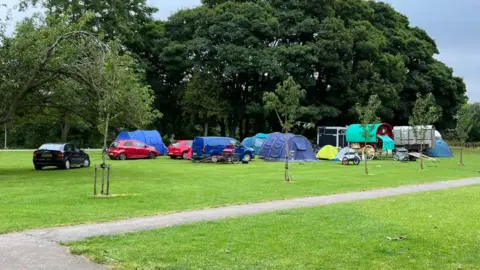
(207, 69)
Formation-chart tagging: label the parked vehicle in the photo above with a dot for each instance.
(351, 156)
(402, 155)
(60, 155)
(131, 149)
(180, 149)
(405, 137)
(206, 147)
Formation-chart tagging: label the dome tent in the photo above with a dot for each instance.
(441, 149)
(150, 137)
(327, 152)
(274, 148)
(255, 142)
(342, 153)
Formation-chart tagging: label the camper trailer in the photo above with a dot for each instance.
(405, 137)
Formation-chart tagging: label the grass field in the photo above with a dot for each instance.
(32, 199)
(441, 230)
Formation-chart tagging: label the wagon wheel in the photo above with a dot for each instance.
(395, 157)
(380, 154)
(345, 161)
(369, 152)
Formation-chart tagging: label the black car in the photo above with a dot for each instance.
(60, 155)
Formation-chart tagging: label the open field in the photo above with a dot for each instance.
(33, 199)
(441, 230)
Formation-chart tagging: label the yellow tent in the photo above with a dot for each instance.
(327, 152)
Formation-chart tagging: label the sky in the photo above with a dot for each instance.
(453, 25)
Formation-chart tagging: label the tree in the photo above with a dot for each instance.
(114, 19)
(424, 113)
(36, 56)
(368, 117)
(465, 123)
(117, 89)
(203, 101)
(285, 102)
(43, 58)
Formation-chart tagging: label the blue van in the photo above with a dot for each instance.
(204, 147)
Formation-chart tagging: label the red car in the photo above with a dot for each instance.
(131, 149)
(180, 149)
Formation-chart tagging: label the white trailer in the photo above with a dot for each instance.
(404, 136)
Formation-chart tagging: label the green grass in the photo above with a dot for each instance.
(33, 199)
(441, 229)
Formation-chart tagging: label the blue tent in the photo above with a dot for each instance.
(150, 137)
(248, 142)
(274, 148)
(255, 142)
(441, 149)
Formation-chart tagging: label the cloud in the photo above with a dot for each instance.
(454, 26)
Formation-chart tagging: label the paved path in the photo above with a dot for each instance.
(39, 249)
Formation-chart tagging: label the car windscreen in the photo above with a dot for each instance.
(115, 144)
(50, 146)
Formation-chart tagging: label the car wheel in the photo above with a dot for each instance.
(38, 167)
(185, 155)
(123, 156)
(66, 166)
(151, 155)
(86, 163)
(247, 157)
(214, 159)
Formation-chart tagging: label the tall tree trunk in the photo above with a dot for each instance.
(461, 154)
(421, 156)
(205, 129)
(5, 128)
(223, 132)
(247, 126)
(242, 127)
(65, 129)
(365, 158)
(105, 138)
(232, 127)
(287, 154)
(260, 126)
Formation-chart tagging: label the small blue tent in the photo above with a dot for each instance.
(274, 148)
(150, 137)
(441, 149)
(255, 142)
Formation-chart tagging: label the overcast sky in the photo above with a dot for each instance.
(454, 26)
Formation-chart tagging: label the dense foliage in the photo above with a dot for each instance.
(210, 66)
(340, 51)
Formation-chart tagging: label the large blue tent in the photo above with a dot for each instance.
(150, 137)
(274, 148)
(255, 142)
(441, 149)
